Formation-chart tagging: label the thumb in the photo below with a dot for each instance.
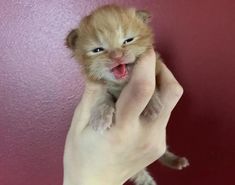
(93, 90)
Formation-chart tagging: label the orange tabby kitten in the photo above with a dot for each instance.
(107, 44)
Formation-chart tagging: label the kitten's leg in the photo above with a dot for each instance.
(143, 178)
(153, 108)
(102, 113)
(173, 161)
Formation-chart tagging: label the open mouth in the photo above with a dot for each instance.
(120, 71)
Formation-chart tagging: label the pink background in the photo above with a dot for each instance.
(40, 85)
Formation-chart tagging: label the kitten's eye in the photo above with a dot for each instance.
(97, 50)
(128, 40)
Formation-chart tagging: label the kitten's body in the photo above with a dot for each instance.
(107, 44)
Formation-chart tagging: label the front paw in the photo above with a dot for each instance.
(102, 117)
(153, 109)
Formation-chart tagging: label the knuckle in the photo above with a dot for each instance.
(172, 96)
(179, 90)
(176, 90)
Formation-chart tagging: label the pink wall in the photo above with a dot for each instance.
(40, 86)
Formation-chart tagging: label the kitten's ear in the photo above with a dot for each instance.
(71, 39)
(143, 15)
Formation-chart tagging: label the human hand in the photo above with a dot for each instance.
(132, 143)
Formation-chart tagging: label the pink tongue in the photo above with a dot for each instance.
(120, 71)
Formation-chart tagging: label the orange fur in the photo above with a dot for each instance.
(108, 27)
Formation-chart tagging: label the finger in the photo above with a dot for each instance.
(93, 90)
(137, 93)
(170, 89)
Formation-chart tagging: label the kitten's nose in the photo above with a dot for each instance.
(116, 54)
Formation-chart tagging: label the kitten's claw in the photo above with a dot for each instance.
(102, 117)
(181, 163)
(173, 161)
(177, 163)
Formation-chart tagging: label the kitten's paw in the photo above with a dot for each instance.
(153, 109)
(178, 163)
(173, 161)
(181, 162)
(102, 117)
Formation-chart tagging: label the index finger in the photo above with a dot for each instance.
(92, 92)
(137, 93)
(170, 89)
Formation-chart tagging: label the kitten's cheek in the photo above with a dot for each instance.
(131, 58)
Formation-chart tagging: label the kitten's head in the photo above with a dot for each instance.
(109, 40)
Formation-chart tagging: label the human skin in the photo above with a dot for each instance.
(132, 143)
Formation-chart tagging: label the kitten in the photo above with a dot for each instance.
(107, 44)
